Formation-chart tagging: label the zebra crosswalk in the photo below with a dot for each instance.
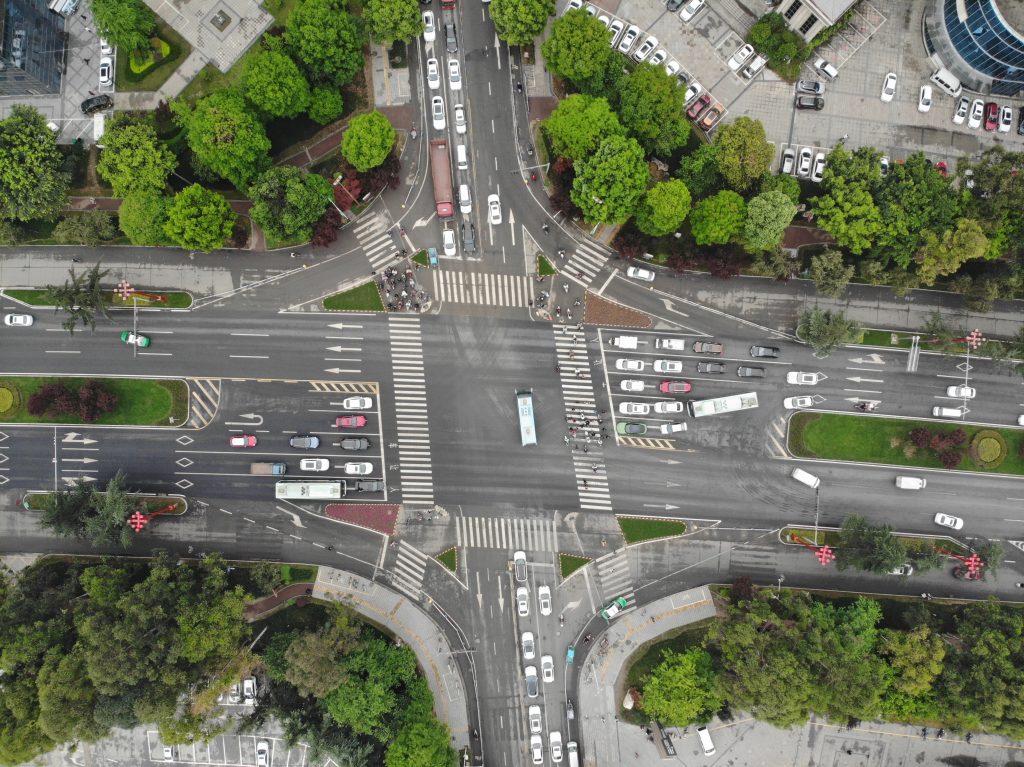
(374, 236)
(411, 417)
(204, 399)
(487, 289)
(409, 569)
(584, 264)
(614, 576)
(492, 533)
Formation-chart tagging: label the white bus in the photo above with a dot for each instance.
(527, 428)
(317, 490)
(719, 405)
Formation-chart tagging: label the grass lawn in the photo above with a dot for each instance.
(545, 267)
(147, 504)
(176, 299)
(422, 258)
(290, 574)
(449, 558)
(140, 401)
(156, 75)
(880, 440)
(365, 298)
(570, 564)
(636, 529)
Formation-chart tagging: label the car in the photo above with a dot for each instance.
(629, 38)
(544, 599)
(529, 647)
(788, 160)
(977, 112)
(991, 116)
(634, 408)
(606, 20)
(754, 67)
(711, 117)
(659, 58)
(369, 485)
(708, 347)
(664, 408)
(803, 379)
(354, 443)
(616, 606)
(968, 179)
(963, 106)
(519, 566)
(168, 753)
(451, 42)
(1020, 122)
(883, 166)
(494, 209)
(350, 421)
(645, 48)
(263, 754)
(889, 87)
(690, 10)
(18, 320)
(437, 113)
(639, 273)
(803, 165)
(314, 464)
(357, 403)
(746, 371)
(135, 339)
(106, 71)
(961, 391)
(942, 168)
(532, 687)
(740, 57)
(805, 101)
(905, 570)
(697, 107)
(97, 104)
(249, 690)
(106, 49)
(630, 365)
(757, 351)
(672, 69)
(555, 746)
(537, 749)
(710, 367)
(946, 520)
(591, 9)
(469, 236)
(616, 28)
(632, 385)
(692, 91)
(673, 5)
(448, 241)
(459, 112)
(818, 173)
(924, 99)
(573, 5)
(242, 440)
(433, 74)
(547, 668)
(668, 366)
(522, 601)
(358, 468)
(814, 87)
(825, 69)
(797, 403)
(429, 30)
(454, 75)
(1005, 118)
(536, 724)
(304, 442)
(629, 429)
(675, 387)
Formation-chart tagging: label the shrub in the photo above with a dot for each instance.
(988, 448)
(326, 230)
(7, 399)
(957, 437)
(920, 437)
(951, 458)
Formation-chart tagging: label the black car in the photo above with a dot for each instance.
(369, 486)
(748, 372)
(710, 367)
(451, 42)
(675, 5)
(97, 104)
(469, 237)
(764, 352)
(804, 101)
(355, 443)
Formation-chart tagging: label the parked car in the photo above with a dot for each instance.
(827, 70)
(97, 104)
(357, 403)
(573, 5)
(814, 87)
(708, 347)
(889, 87)
(304, 442)
(1005, 118)
(18, 320)
(710, 367)
(818, 173)
(659, 58)
(629, 38)
(616, 28)
(803, 165)
(739, 58)
(106, 71)
(788, 160)
(350, 421)
(924, 99)
(639, 273)
(698, 106)
(692, 91)
(242, 440)
(883, 166)
(672, 69)
(805, 101)
(746, 371)
(711, 117)
(106, 49)
(977, 113)
(991, 116)
(754, 67)
(757, 351)
(645, 49)
(263, 754)
(947, 520)
(904, 570)
(690, 10)
(963, 106)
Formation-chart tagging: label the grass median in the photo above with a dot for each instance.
(365, 298)
(173, 299)
(637, 529)
(140, 401)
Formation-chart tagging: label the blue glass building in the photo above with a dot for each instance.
(978, 41)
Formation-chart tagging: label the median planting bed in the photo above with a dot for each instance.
(365, 298)
(637, 529)
(173, 299)
(125, 401)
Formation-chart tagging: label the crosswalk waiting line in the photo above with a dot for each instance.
(374, 237)
(584, 264)
(410, 567)
(487, 289)
(509, 534)
(411, 418)
(614, 576)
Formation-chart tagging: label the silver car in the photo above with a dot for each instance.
(629, 39)
(532, 687)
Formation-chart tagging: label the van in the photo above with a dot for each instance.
(676, 344)
(624, 342)
(947, 412)
(573, 751)
(947, 81)
(460, 157)
(705, 738)
(465, 204)
(910, 483)
(808, 479)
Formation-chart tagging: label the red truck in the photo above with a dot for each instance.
(447, 5)
(441, 173)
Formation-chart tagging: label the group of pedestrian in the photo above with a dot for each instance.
(400, 291)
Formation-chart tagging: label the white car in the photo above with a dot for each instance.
(803, 166)
(668, 366)
(977, 112)
(429, 30)
(946, 520)
(616, 28)
(961, 392)
(659, 58)
(555, 743)
(1005, 119)
(788, 161)
(962, 108)
(740, 57)
(106, 49)
(693, 90)
(547, 668)
(672, 68)
(606, 20)
(889, 87)
(536, 723)
(803, 379)
(493, 209)
(356, 403)
(668, 407)
(106, 70)
(448, 241)
(532, 687)
(798, 403)
(631, 366)
(529, 648)
(544, 599)
(645, 49)
(18, 320)
(690, 10)
(924, 100)
(639, 273)
(454, 75)
(537, 749)
(634, 408)
(522, 601)
(629, 38)
(263, 754)
(433, 74)
(632, 385)
(437, 112)
(460, 118)
(818, 173)
(359, 468)
(314, 464)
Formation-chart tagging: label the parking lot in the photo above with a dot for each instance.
(227, 751)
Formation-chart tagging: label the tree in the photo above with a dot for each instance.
(579, 124)
(126, 24)
(134, 160)
(199, 219)
(287, 201)
(868, 547)
(422, 743)
(652, 108)
(609, 183)
(314, 661)
(107, 525)
(391, 20)
(682, 688)
(325, 105)
(718, 219)
(578, 51)
(274, 85)
(68, 509)
(782, 182)
(699, 171)
(768, 215)
(368, 141)
(743, 152)
(142, 217)
(86, 228)
(81, 297)
(663, 208)
(32, 184)
(326, 40)
(847, 212)
(266, 576)
(67, 699)
(830, 273)
(944, 255)
(518, 22)
(915, 658)
(366, 701)
(826, 331)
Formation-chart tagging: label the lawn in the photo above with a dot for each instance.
(449, 558)
(881, 440)
(422, 258)
(147, 504)
(176, 299)
(140, 401)
(151, 78)
(570, 564)
(636, 529)
(365, 298)
(545, 267)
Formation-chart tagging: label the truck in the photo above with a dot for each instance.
(441, 173)
(315, 490)
(447, 5)
(266, 467)
(718, 405)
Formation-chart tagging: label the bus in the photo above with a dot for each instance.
(527, 429)
(317, 490)
(720, 405)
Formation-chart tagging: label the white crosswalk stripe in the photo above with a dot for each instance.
(374, 236)
(584, 264)
(486, 289)
(411, 419)
(204, 400)
(409, 569)
(614, 576)
(489, 533)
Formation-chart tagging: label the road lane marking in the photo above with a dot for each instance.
(248, 357)
(58, 351)
(262, 335)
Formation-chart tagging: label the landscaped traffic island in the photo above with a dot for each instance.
(100, 401)
(157, 299)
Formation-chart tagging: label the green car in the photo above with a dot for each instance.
(617, 605)
(631, 428)
(133, 339)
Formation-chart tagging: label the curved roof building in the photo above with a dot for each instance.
(978, 41)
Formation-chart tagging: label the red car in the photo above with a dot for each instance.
(245, 440)
(698, 106)
(350, 421)
(675, 387)
(991, 115)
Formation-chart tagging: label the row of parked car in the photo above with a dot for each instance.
(806, 164)
(978, 113)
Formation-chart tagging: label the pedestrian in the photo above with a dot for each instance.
(585, 484)
(586, 449)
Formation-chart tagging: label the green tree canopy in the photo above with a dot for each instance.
(421, 744)
(652, 108)
(314, 660)
(199, 219)
(663, 208)
(125, 24)
(326, 40)
(326, 105)
(368, 141)
(142, 217)
(81, 296)
(944, 255)
(847, 211)
(367, 699)
(287, 201)
(391, 20)
(830, 273)
(768, 215)
(32, 183)
(579, 124)
(578, 51)
(518, 22)
(609, 183)
(826, 331)
(699, 171)
(86, 228)
(275, 86)
(67, 699)
(682, 688)
(782, 182)
(915, 659)
(743, 153)
(718, 219)
(868, 547)
(133, 159)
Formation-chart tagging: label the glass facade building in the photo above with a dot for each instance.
(33, 49)
(978, 43)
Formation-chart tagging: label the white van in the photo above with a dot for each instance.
(676, 344)
(624, 342)
(573, 751)
(947, 412)
(460, 157)
(947, 81)
(910, 483)
(465, 204)
(705, 739)
(808, 479)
